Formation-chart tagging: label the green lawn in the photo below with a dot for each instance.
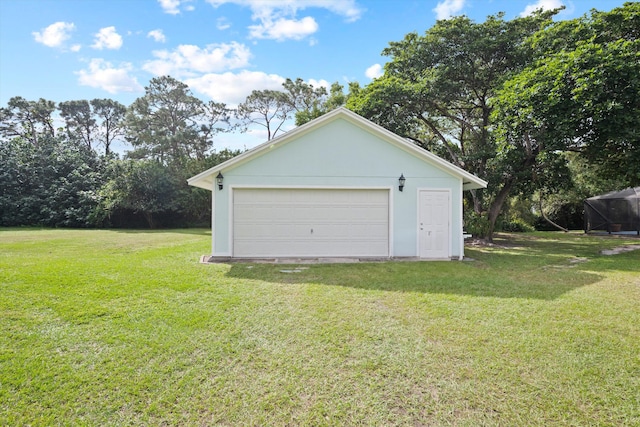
(126, 328)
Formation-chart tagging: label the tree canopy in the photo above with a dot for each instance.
(437, 91)
(581, 93)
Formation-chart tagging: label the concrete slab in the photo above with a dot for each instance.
(206, 259)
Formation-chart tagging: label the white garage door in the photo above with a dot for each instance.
(310, 223)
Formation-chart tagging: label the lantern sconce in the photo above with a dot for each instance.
(401, 182)
(219, 180)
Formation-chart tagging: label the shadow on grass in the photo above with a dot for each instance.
(477, 279)
(561, 246)
(189, 231)
(538, 265)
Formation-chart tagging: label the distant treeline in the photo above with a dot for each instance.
(70, 176)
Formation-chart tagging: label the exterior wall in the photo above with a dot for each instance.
(342, 155)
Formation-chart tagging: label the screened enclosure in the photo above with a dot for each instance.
(613, 212)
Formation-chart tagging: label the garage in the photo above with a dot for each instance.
(338, 186)
(288, 222)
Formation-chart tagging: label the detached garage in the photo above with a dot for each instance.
(338, 186)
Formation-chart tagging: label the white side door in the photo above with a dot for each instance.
(434, 212)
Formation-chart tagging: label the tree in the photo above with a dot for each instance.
(437, 91)
(111, 119)
(30, 120)
(169, 124)
(304, 99)
(582, 94)
(267, 108)
(216, 118)
(79, 121)
(310, 103)
(54, 183)
(142, 186)
(92, 122)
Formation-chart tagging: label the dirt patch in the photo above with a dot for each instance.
(572, 263)
(620, 249)
(578, 260)
(483, 243)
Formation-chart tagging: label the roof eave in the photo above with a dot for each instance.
(474, 185)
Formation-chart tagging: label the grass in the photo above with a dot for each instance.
(125, 328)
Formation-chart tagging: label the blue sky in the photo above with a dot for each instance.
(83, 49)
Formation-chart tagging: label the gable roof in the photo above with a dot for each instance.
(206, 179)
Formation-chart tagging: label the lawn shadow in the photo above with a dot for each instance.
(588, 247)
(540, 266)
(189, 231)
(454, 278)
(196, 231)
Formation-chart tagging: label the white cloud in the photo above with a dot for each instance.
(277, 18)
(157, 35)
(107, 38)
(186, 60)
(223, 24)
(283, 29)
(55, 34)
(320, 83)
(170, 6)
(541, 4)
(448, 8)
(374, 71)
(266, 8)
(102, 74)
(76, 48)
(232, 89)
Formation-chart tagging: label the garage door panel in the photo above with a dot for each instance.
(367, 212)
(310, 222)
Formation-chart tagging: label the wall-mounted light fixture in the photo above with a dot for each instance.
(219, 180)
(401, 182)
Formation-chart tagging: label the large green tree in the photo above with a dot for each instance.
(54, 183)
(581, 94)
(170, 125)
(145, 187)
(437, 91)
(30, 120)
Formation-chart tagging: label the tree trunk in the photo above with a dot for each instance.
(150, 221)
(496, 207)
(477, 201)
(559, 227)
